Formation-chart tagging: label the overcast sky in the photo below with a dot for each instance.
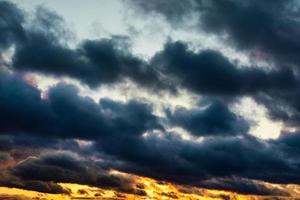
(198, 93)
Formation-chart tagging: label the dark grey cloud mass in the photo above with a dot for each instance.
(42, 174)
(270, 26)
(128, 135)
(10, 24)
(215, 119)
(209, 72)
(61, 115)
(267, 27)
(8, 180)
(117, 129)
(42, 47)
(243, 186)
(192, 162)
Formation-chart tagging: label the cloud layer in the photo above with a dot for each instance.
(221, 153)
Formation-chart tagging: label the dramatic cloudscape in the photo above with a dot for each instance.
(150, 99)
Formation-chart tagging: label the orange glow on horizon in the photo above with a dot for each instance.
(152, 188)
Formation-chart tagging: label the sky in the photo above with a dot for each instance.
(161, 99)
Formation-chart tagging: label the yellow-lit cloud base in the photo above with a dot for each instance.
(154, 189)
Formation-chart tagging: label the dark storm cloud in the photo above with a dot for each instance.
(9, 180)
(210, 72)
(214, 119)
(10, 24)
(93, 62)
(65, 114)
(10, 142)
(168, 157)
(65, 168)
(271, 27)
(118, 128)
(243, 186)
(290, 140)
(106, 118)
(44, 49)
(41, 46)
(18, 147)
(282, 105)
(289, 143)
